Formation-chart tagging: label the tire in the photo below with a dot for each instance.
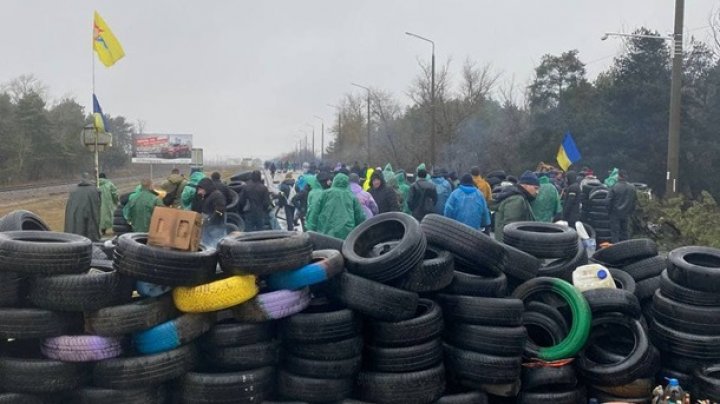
(426, 325)
(646, 268)
(143, 371)
(121, 229)
(237, 220)
(499, 341)
(326, 264)
(482, 310)
(683, 317)
(323, 369)
(321, 327)
(695, 267)
(81, 292)
(322, 242)
(374, 299)
(477, 285)
(214, 296)
(37, 323)
(434, 273)
(39, 376)
(577, 395)
(406, 255)
(44, 252)
(474, 397)
(579, 308)
(686, 295)
(520, 265)
(273, 305)
(132, 317)
(639, 388)
(136, 259)
(542, 240)
(541, 378)
(245, 357)
(22, 220)
(264, 252)
(327, 351)
(423, 386)
(93, 395)
(405, 359)
(12, 287)
(623, 280)
(627, 252)
(236, 387)
(232, 204)
(603, 301)
(147, 289)
(172, 334)
(294, 387)
(554, 329)
(704, 347)
(232, 333)
(465, 243)
(81, 348)
(646, 289)
(706, 383)
(472, 369)
(563, 268)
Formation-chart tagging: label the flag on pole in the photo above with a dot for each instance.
(568, 154)
(105, 43)
(99, 120)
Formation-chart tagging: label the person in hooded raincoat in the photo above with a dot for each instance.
(368, 179)
(403, 190)
(467, 205)
(314, 191)
(443, 189)
(546, 204)
(367, 202)
(385, 197)
(82, 212)
(338, 210)
(140, 206)
(108, 201)
(188, 193)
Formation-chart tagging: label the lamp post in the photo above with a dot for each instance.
(673, 156)
(432, 95)
(322, 137)
(338, 141)
(368, 118)
(313, 140)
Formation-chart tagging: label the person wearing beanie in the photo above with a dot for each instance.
(367, 202)
(546, 205)
(422, 197)
(337, 212)
(467, 205)
(514, 204)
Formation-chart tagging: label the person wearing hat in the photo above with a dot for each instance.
(467, 205)
(514, 204)
(422, 197)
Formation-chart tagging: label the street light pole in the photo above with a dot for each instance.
(338, 141)
(313, 140)
(368, 118)
(432, 96)
(322, 137)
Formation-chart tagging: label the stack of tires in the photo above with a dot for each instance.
(595, 211)
(22, 220)
(685, 314)
(120, 225)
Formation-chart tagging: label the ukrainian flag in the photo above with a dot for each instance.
(99, 119)
(568, 154)
(105, 43)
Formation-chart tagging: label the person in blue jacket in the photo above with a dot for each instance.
(467, 205)
(443, 188)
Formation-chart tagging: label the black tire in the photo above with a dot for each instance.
(323, 242)
(686, 295)
(82, 292)
(645, 289)
(607, 300)
(426, 325)
(245, 357)
(264, 252)
(232, 204)
(684, 317)
(374, 299)
(474, 397)
(136, 259)
(500, 341)
(93, 395)
(434, 272)
(472, 369)
(22, 220)
(423, 386)
(627, 252)
(695, 267)
(37, 323)
(40, 375)
(122, 229)
(520, 265)
(404, 359)
(119, 221)
(407, 254)
(563, 268)
(465, 243)
(549, 377)
(143, 371)
(236, 387)
(476, 285)
(327, 351)
(647, 267)
(44, 252)
(12, 288)
(294, 387)
(322, 369)
(139, 315)
(321, 327)
(542, 330)
(623, 280)
(233, 333)
(706, 383)
(482, 310)
(542, 240)
(705, 347)
(237, 220)
(577, 395)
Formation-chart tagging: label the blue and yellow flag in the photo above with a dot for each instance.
(568, 154)
(99, 120)
(108, 48)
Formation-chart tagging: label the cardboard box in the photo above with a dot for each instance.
(175, 228)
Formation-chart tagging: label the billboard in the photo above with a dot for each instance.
(162, 148)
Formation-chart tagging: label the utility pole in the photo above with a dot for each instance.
(322, 137)
(338, 141)
(368, 118)
(432, 96)
(673, 156)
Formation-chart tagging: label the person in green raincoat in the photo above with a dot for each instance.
(140, 206)
(82, 212)
(403, 189)
(337, 210)
(188, 194)
(612, 179)
(108, 201)
(315, 190)
(389, 175)
(546, 204)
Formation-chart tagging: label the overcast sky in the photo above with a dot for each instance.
(245, 77)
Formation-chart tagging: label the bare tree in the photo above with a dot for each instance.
(714, 20)
(24, 85)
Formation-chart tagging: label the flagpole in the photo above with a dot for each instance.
(97, 156)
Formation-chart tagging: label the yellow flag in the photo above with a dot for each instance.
(108, 48)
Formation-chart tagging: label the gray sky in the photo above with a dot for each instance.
(245, 77)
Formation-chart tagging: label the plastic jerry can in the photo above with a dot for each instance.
(592, 276)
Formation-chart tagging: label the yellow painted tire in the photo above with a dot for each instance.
(214, 296)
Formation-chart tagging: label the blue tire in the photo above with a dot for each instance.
(325, 265)
(161, 338)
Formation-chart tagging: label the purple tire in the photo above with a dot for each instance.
(81, 348)
(273, 305)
